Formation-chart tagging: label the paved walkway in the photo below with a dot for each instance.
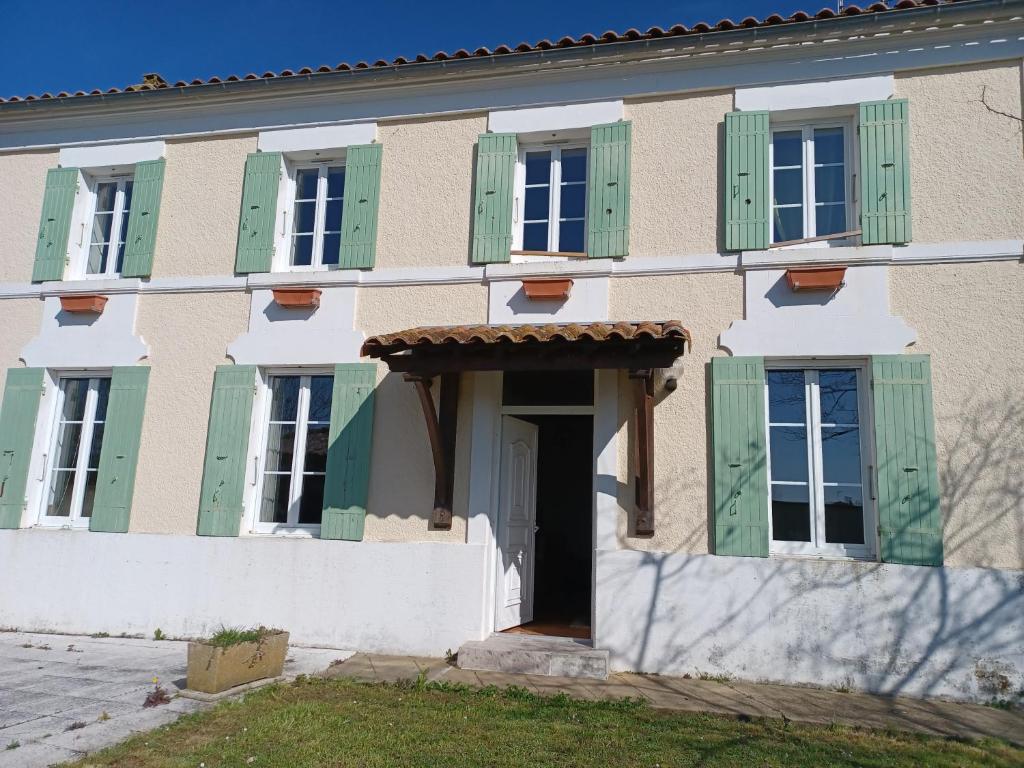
(63, 696)
(808, 705)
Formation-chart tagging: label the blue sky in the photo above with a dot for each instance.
(55, 45)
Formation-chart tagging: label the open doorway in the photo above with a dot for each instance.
(545, 534)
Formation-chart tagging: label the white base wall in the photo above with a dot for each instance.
(406, 598)
(951, 632)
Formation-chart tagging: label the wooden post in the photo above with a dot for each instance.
(441, 434)
(644, 392)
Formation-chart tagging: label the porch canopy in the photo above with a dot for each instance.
(423, 353)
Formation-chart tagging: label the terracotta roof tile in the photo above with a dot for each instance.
(587, 39)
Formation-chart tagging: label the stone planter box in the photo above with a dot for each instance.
(88, 304)
(212, 669)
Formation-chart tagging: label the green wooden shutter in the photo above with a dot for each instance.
(55, 224)
(608, 220)
(885, 171)
(259, 212)
(122, 433)
(359, 214)
(909, 518)
(141, 237)
(18, 415)
(746, 181)
(347, 483)
(740, 456)
(496, 155)
(227, 443)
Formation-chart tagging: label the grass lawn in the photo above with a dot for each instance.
(340, 723)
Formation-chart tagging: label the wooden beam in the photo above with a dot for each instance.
(441, 433)
(643, 381)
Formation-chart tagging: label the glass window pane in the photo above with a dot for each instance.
(537, 201)
(830, 219)
(284, 393)
(129, 187)
(789, 186)
(96, 447)
(321, 391)
(570, 236)
(61, 485)
(574, 165)
(335, 182)
(787, 395)
(838, 391)
(75, 391)
(305, 217)
(840, 454)
(90, 494)
(538, 167)
(119, 264)
(535, 236)
(274, 504)
(791, 513)
(101, 224)
(316, 447)
(332, 249)
(787, 148)
(788, 224)
(68, 441)
(280, 446)
(332, 216)
(574, 200)
(102, 398)
(844, 515)
(305, 184)
(828, 145)
(311, 505)
(106, 194)
(829, 184)
(302, 251)
(788, 447)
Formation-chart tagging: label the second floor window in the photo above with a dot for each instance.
(810, 181)
(108, 229)
(551, 202)
(316, 219)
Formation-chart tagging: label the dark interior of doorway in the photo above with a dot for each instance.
(564, 547)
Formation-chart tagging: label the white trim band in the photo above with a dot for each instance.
(110, 155)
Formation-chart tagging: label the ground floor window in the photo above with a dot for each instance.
(817, 459)
(296, 429)
(73, 459)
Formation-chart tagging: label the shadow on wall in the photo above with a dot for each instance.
(887, 628)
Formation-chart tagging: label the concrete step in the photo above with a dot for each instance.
(532, 655)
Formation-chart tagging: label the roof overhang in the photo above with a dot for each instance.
(433, 350)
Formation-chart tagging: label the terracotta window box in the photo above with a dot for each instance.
(816, 278)
(86, 304)
(213, 668)
(297, 298)
(547, 290)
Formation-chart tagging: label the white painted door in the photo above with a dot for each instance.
(517, 516)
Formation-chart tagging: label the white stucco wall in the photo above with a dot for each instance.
(413, 598)
(954, 632)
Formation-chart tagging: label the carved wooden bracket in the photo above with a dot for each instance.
(441, 432)
(643, 381)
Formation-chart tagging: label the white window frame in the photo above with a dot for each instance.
(74, 519)
(555, 199)
(286, 213)
(818, 547)
(807, 128)
(81, 261)
(259, 454)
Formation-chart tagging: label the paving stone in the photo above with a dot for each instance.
(37, 754)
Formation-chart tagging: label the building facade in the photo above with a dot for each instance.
(705, 344)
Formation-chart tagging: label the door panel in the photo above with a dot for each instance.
(516, 523)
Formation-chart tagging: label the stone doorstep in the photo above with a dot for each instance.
(530, 655)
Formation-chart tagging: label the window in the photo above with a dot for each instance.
(74, 456)
(112, 202)
(551, 202)
(810, 181)
(816, 460)
(315, 237)
(298, 423)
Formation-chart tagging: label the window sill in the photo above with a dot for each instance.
(311, 532)
(865, 558)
